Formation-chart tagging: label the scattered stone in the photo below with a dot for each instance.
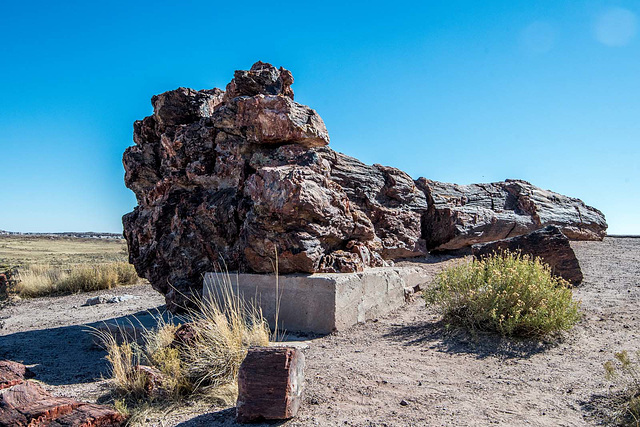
(109, 299)
(548, 243)
(404, 402)
(270, 384)
(237, 176)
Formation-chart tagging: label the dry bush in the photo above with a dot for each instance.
(43, 280)
(206, 364)
(625, 372)
(506, 293)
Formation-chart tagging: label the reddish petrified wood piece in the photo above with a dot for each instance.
(89, 415)
(29, 404)
(13, 373)
(153, 380)
(270, 384)
(548, 243)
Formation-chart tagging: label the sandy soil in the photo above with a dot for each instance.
(404, 369)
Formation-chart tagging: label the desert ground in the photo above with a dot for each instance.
(403, 369)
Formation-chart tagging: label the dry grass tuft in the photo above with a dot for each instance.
(625, 372)
(42, 280)
(506, 293)
(203, 366)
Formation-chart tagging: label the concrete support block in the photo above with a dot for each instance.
(325, 302)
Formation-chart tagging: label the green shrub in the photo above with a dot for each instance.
(625, 372)
(507, 293)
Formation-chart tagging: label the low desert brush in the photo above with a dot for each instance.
(207, 363)
(43, 280)
(508, 293)
(625, 372)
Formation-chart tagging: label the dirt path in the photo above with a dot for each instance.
(404, 369)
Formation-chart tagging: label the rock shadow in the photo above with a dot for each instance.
(604, 409)
(224, 417)
(437, 336)
(68, 354)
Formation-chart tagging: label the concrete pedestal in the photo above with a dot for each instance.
(325, 302)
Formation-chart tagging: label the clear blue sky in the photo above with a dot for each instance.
(459, 91)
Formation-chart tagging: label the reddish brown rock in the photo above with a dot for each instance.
(270, 384)
(12, 373)
(547, 243)
(230, 178)
(89, 415)
(153, 380)
(184, 335)
(28, 403)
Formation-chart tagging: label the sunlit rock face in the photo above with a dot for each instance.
(235, 177)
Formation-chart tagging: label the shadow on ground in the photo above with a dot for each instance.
(67, 355)
(224, 417)
(436, 336)
(603, 409)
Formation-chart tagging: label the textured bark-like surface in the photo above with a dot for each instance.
(270, 384)
(230, 177)
(462, 215)
(547, 243)
(13, 373)
(28, 404)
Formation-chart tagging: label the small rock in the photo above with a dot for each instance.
(108, 299)
(153, 380)
(404, 402)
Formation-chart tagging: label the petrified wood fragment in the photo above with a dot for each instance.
(270, 384)
(547, 243)
(29, 404)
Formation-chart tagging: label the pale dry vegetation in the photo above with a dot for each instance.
(42, 280)
(624, 372)
(59, 265)
(205, 363)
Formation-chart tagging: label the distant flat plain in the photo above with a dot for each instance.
(22, 250)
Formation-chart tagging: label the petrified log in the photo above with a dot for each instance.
(27, 403)
(462, 215)
(547, 243)
(229, 177)
(270, 384)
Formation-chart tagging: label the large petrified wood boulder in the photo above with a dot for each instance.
(270, 384)
(230, 177)
(547, 243)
